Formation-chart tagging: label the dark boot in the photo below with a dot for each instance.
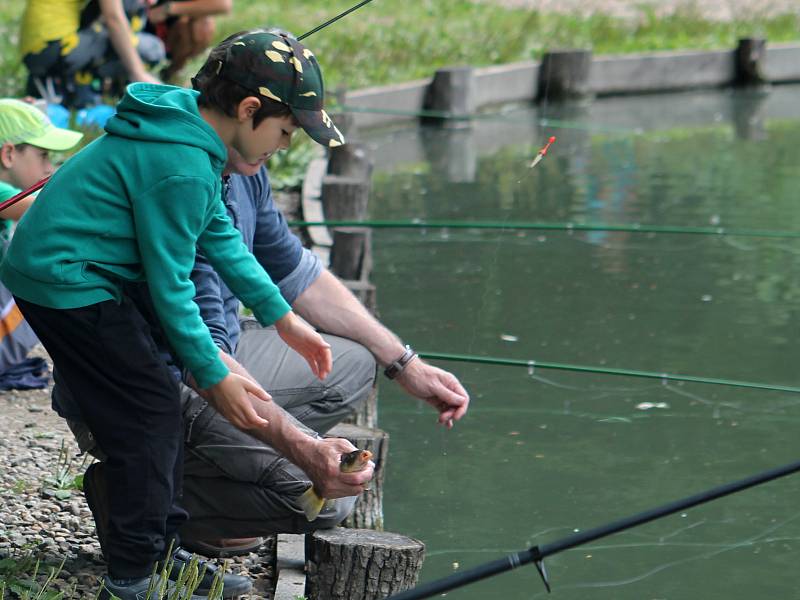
(233, 585)
(136, 590)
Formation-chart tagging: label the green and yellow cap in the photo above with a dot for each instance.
(277, 66)
(23, 123)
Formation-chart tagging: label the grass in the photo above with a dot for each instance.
(24, 578)
(66, 476)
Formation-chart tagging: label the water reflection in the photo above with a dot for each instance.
(544, 453)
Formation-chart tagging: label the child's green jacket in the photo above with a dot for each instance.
(132, 206)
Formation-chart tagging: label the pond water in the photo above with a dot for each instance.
(545, 453)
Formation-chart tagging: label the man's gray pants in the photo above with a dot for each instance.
(236, 486)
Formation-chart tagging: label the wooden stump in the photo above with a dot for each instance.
(453, 91)
(351, 253)
(750, 56)
(368, 511)
(564, 75)
(344, 198)
(358, 564)
(367, 415)
(350, 160)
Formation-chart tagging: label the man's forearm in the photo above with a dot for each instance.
(282, 433)
(329, 306)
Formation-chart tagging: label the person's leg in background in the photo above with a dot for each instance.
(186, 37)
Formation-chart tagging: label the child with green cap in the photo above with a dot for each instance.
(26, 139)
(132, 206)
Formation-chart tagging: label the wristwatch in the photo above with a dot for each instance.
(396, 367)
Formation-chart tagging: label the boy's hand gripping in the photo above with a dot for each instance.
(308, 343)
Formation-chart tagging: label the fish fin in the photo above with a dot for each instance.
(311, 503)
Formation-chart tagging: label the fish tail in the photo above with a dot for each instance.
(311, 503)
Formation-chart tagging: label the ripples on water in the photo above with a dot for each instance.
(543, 454)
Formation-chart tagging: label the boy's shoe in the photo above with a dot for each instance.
(233, 585)
(96, 492)
(135, 590)
(223, 548)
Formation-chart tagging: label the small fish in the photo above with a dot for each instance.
(352, 462)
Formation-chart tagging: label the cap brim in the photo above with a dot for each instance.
(56, 139)
(319, 126)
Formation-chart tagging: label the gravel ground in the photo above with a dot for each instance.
(720, 10)
(34, 520)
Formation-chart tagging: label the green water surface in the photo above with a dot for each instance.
(541, 455)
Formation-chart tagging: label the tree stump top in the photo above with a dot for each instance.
(367, 537)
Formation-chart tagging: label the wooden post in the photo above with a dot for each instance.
(452, 91)
(350, 160)
(350, 257)
(344, 198)
(360, 564)
(368, 511)
(750, 56)
(564, 75)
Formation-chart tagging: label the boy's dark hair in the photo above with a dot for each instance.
(222, 94)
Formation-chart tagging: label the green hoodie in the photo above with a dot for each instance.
(132, 206)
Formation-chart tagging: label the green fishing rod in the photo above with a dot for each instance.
(537, 554)
(535, 364)
(552, 226)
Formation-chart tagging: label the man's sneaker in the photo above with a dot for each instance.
(136, 590)
(232, 585)
(94, 487)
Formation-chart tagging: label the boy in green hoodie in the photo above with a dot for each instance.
(132, 206)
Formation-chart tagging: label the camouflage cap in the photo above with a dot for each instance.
(278, 67)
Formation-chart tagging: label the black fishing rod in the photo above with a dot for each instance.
(537, 554)
(333, 20)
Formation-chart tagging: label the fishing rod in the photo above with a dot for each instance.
(535, 364)
(40, 184)
(333, 20)
(537, 554)
(24, 193)
(552, 226)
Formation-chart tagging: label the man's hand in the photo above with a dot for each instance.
(306, 342)
(437, 387)
(233, 398)
(321, 463)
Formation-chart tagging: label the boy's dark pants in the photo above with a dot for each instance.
(107, 359)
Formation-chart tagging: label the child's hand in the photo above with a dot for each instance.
(232, 399)
(306, 342)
